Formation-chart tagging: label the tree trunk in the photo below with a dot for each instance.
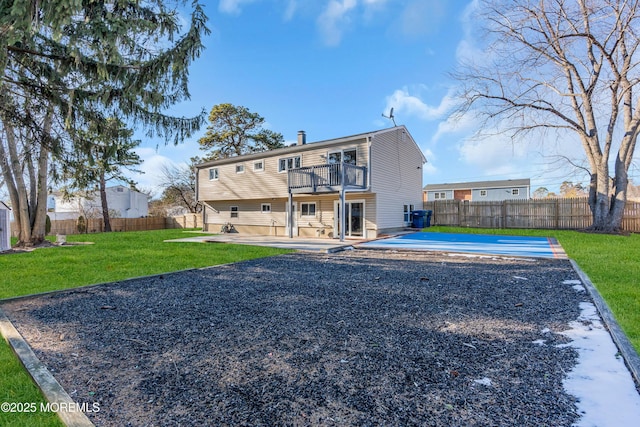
(607, 204)
(28, 199)
(103, 202)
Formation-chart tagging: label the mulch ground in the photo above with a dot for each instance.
(361, 338)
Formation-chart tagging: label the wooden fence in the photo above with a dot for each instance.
(567, 214)
(96, 225)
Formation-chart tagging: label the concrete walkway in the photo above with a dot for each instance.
(296, 243)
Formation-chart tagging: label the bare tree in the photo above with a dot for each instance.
(179, 185)
(566, 66)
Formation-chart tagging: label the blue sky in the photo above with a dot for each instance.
(333, 67)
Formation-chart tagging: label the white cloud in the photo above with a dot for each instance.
(292, 7)
(468, 50)
(455, 123)
(339, 15)
(153, 161)
(495, 155)
(429, 167)
(334, 20)
(232, 7)
(420, 17)
(404, 102)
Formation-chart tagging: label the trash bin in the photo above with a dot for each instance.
(417, 219)
(427, 222)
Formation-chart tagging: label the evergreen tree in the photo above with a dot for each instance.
(69, 64)
(234, 130)
(102, 156)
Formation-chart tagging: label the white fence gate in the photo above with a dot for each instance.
(5, 229)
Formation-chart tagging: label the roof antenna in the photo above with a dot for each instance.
(390, 116)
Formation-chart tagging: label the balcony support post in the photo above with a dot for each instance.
(343, 220)
(290, 216)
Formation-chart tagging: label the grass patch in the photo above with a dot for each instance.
(16, 387)
(110, 257)
(611, 262)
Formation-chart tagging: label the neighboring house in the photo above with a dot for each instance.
(356, 187)
(5, 227)
(123, 202)
(481, 191)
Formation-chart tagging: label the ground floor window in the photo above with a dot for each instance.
(234, 212)
(308, 209)
(266, 207)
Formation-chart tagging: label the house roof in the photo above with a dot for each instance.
(507, 183)
(296, 148)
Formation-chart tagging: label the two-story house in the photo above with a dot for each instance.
(358, 186)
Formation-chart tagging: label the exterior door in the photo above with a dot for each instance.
(295, 218)
(354, 219)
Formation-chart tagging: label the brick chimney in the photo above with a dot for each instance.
(302, 137)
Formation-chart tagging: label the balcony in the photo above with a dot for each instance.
(327, 178)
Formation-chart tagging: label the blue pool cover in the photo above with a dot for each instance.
(485, 244)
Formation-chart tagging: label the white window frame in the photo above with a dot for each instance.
(515, 191)
(258, 166)
(341, 153)
(483, 193)
(440, 195)
(215, 172)
(265, 208)
(407, 209)
(292, 162)
(233, 211)
(240, 168)
(308, 204)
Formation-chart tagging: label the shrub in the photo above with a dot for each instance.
(81, 225)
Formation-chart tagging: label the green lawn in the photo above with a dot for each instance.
(611, 262)
(111, 257)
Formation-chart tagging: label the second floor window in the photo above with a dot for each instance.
(213, 174)
(239, 168)
(346, 156)
(288, 163)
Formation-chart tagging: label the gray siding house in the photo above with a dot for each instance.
(357, 186)
(479, 191)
